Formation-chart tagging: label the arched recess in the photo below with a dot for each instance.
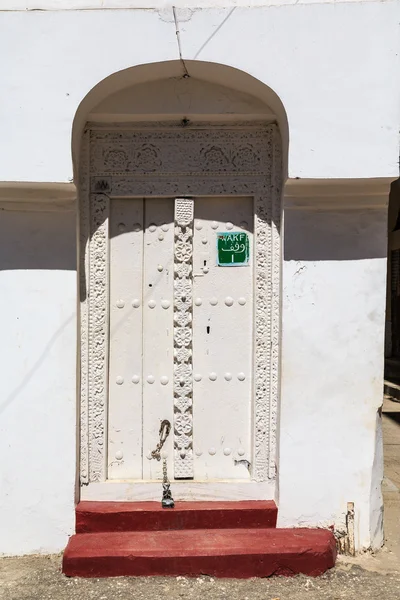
(149, 132)
(171, 72)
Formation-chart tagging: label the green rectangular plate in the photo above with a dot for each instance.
(233, 249)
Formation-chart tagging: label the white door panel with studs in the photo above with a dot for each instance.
(222, 340)
(181, 314)
(125, 334)
(158, 325)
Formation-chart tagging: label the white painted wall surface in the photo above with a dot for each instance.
(334, 285)
(38, 393)
(160, 4)
(333, 66)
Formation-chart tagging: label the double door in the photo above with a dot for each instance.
(181, 337)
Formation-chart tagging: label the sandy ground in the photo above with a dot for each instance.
(39, 578)
(370, 576)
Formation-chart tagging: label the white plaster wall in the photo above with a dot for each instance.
(38, 381)
(334, 285)
(161, 4)
(333, 66)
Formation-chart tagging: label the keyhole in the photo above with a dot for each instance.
(205, 263)
(208, 329)
(150, 285)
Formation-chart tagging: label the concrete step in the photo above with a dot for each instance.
(217, 552)
(95, 517)
(392, 389)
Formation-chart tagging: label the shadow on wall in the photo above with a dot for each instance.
(37, 240)
(36, 365)
(34, 242)
(333, 235)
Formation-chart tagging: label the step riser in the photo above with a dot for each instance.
(166, 523)
(172, 521)
(240, 566)
(98, 518)
(238, 553)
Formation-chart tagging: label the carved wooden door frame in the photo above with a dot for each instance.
(120, 161)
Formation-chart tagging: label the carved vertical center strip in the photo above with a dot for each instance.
(183, 336)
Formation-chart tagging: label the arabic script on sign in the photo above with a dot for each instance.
(233, 249)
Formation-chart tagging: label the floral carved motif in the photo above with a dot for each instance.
(214, 158)
(245, 158)
(147, 158)
(116, 160)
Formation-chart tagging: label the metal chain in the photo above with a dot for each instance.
(167, 501)
(165, 428)
(164, 471)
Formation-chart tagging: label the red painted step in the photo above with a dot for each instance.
(220, 553)
(95, 517)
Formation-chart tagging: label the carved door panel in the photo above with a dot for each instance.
(223, 272)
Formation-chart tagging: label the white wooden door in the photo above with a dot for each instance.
(181, 330)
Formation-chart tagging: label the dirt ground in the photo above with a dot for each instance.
(39, 578)
(367, 577)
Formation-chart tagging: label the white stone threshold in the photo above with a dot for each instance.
(140, 491)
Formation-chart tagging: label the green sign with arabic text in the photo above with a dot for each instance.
(233, 249)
